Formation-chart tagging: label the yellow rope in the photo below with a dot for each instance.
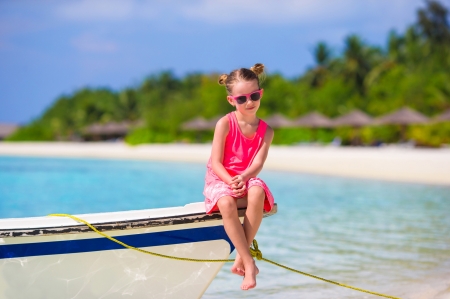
(258, 255)
(254, 250)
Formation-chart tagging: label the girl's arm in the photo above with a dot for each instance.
(258, 162)
(218, 147)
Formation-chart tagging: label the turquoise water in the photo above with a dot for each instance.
(387, 237)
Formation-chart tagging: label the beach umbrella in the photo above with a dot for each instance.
(355, 118)
(108, 130)
(278, 121)
(196, 124)
(313, 120)
(213, 121)
(403, 117)
(443, 117)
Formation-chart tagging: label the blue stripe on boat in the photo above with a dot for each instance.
(98, 244)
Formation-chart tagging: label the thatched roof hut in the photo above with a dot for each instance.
(313, 120)
(403, 116)
(196, 124)
(355, 118)
(7, 129)
(213, 121)
(111, 130)
(278, 121)
(445, 116)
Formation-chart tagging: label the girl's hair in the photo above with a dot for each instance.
(242, 74)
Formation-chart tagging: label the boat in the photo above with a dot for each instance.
(56, 257)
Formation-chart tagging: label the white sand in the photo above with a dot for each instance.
(431, 166)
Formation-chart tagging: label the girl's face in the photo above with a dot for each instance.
(245, 88)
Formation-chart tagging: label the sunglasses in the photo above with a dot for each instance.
(254, 96)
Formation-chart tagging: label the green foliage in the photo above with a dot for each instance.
(144, 135)
(432, 135)
(411, 71)
(32, 132)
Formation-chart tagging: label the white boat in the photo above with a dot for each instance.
(55, 258)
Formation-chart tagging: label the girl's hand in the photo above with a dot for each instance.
(238, 191)
(238, 180)
(238, 184)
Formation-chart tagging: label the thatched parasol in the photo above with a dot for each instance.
(278, 121)
(213, 121)
(110, 128)
(313, 120)
(7, 129)
(196, 124)
(443, 117)
(355, 118)
(403, 116)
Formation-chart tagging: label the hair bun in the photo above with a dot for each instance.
(258, 68)
(223, 79)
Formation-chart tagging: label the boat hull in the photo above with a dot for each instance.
(86, 265)
(55, 257)
(112, 273)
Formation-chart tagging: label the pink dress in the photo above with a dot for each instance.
(238, 155)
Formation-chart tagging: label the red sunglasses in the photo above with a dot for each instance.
(254, 96)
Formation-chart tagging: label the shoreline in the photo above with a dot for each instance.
(427, 166)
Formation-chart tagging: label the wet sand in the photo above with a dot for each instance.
(429, 166)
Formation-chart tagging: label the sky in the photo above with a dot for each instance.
(52, 48)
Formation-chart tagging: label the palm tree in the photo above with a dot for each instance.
(413, 46)
(322, 55)
(359, 60)
(433, 23)
(396, 45)
(128, 104)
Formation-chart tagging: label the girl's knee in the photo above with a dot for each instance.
(256, 194)
(256, 191)
(226, 203)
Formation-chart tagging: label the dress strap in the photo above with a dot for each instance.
(262, 127)
(232, 122)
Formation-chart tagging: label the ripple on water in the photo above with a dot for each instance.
(392, 238)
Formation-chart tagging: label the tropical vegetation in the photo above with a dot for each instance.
(411, 70)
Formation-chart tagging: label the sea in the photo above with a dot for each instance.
(387, 237)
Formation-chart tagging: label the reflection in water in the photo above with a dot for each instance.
(387, 237)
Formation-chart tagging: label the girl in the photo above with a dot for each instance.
(239, 150)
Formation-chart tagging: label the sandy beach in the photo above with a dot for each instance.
(429, 166)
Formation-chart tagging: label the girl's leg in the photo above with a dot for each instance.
(254, 213)
(252, 221)
(233, 227)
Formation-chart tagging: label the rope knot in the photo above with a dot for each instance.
(255, 252)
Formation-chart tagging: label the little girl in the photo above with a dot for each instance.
(239, 150)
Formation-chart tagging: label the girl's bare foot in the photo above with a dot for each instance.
(238, 266)
(250, 276)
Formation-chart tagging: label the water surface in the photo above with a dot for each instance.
(392, 238)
